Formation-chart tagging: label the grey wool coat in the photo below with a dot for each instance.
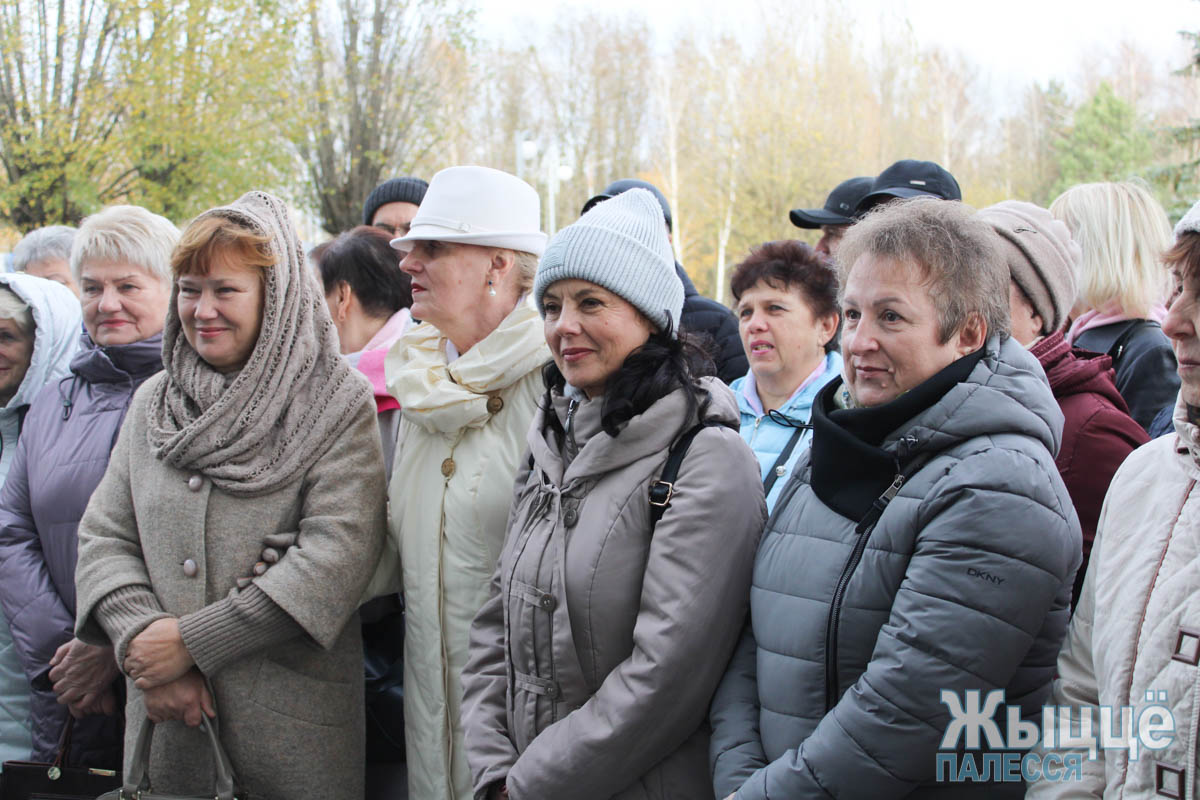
(594, 660)
(158, 541)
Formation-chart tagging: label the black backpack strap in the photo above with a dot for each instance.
(1132, 329)
(663, 489)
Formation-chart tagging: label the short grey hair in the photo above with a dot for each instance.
(52, 243)
(958, 254)
(14, 308)
(128, 234)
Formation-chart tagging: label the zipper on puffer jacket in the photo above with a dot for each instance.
(862, 533)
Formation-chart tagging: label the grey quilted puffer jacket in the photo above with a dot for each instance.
(964, 583)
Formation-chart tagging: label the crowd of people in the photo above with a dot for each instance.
(448, 508)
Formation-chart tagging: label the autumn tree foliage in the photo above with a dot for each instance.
(173, 105)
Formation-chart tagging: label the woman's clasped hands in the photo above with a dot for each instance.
(160, 665)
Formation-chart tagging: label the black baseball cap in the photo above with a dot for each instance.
(910, 178)
(839, 206)
(624, 185)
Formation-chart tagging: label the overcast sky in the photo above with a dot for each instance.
(1013, 41)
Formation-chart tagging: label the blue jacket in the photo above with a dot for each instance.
(767, 437)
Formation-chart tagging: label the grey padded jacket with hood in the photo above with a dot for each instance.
(594, 660)
(57, 317)
(964, 583)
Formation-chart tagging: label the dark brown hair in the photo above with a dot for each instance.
(364, 259)
(790, 264)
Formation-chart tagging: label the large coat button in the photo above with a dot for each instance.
(448, 467)
(195, 483)
(494, 404)
(570, 516)
(189, 568)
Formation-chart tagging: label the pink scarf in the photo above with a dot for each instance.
(1109, 314)
(370, 362)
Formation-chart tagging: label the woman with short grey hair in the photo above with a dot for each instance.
(121, 257)
(46, 253)
(924, 543)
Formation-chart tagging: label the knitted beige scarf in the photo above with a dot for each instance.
(254, 431)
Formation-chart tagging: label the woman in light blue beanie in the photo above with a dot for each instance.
(592, 665)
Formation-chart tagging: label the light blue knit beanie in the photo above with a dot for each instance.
(622, 245)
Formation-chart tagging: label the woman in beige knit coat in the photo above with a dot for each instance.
(255, 426)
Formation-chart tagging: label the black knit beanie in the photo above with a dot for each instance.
(395, 190)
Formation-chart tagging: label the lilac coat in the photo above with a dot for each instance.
(61, 456)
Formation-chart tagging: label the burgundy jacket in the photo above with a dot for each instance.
(1098, 433)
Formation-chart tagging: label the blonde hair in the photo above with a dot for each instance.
(14, 308)
(527, 265)
(128, 234)
(1123, 232)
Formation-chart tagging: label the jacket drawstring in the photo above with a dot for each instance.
(68, 400)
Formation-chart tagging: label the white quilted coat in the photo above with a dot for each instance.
(1137, 626)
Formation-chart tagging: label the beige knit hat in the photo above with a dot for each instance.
(1042, 258)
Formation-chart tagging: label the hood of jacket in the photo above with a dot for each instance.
(133, 362)
(593, 452)
(58, 317)
(1004, 392)
(1073, 371)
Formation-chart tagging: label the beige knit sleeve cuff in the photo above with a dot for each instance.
(236, 626)
(126, 612)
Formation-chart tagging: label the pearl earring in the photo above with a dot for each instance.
(491, 289)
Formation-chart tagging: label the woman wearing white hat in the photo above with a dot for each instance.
(468, 380)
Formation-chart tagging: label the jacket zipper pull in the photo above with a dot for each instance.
(891, 492)
(571, 407)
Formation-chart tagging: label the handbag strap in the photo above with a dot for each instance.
(137, 778)
(62, 758)
(663, 489)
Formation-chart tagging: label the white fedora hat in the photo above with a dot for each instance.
(478, 205)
